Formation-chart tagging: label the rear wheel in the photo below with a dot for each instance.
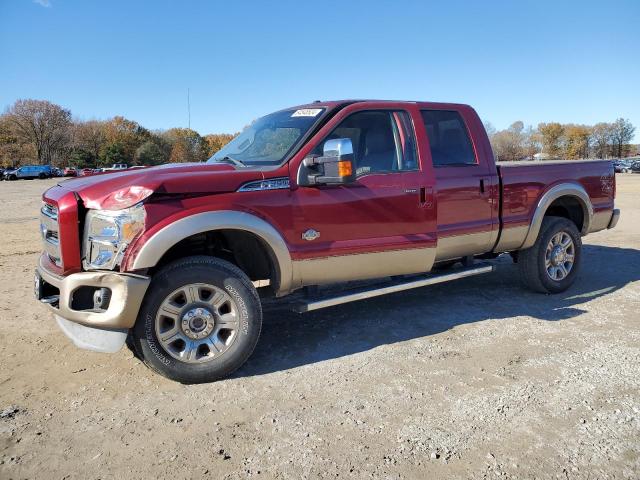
(200, 320)
(552, 263)
(42, 176)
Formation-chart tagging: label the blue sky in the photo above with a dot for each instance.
(566, 61)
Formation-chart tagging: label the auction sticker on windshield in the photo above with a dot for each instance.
(306, 112)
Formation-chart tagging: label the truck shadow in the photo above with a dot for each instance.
(291, 340)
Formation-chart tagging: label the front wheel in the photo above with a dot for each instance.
(200, 320)
(551, 265)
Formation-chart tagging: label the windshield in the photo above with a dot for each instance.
(268, 140)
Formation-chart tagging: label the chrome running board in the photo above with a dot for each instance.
(393, 287)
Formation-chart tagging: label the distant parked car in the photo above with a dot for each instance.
(7, 173)
(622, 166)
(116, 167)
(86, 171)
(70, 172)
(57, 172)
(635, 167)
(30, 171)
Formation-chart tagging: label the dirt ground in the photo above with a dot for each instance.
(473, 379)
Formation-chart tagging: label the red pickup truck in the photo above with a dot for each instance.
(180, 256)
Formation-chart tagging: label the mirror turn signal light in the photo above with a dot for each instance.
(345, 168)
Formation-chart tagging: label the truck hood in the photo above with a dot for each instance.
(117, 190)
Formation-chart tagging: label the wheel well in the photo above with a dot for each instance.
(244, 249)
(569, 208)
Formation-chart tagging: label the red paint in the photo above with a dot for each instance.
(373, 214)
(463, 206)
(69, 233)
(378, 212)
(523, 185)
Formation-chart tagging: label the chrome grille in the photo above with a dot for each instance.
(50, 210)
(49, 231)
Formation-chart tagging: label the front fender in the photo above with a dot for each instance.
(151, 251)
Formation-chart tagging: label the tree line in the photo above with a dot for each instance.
(563, 141)
(41, 132)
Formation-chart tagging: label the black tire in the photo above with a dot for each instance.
(42, 176)
(12, 177)
(531, 261)
(198, 269)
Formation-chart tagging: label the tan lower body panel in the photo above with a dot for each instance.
(512, 238)
(600, 220)
(461, 245)
(321, 271)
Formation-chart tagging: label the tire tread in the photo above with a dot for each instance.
(181, 265)
(531, 273)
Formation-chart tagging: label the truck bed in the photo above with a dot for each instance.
(523, 183)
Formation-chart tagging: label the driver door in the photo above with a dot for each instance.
(380, 225)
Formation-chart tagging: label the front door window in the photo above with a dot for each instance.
(383, 141)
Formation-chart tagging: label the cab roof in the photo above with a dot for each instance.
(330, 104)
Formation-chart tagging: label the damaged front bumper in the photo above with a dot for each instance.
(94, 309)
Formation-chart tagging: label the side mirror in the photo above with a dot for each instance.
(334, 167)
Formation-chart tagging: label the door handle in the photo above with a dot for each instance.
(485, 186)
(426, 197)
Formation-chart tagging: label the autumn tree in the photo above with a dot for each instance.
(216, 141)
(186, 145)
(180, 153)
(122, 135)
(551, 137)
(44, 125)
(12, 149)
(621, 135)
(576, 141)
(90, 137)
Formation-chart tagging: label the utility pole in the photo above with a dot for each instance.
(189, 108)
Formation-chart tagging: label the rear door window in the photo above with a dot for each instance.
(448, 138)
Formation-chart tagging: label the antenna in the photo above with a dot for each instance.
(189, 108)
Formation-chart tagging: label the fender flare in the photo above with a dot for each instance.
(160, 242)
(561, 190)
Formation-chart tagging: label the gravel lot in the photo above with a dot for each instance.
(474, 379)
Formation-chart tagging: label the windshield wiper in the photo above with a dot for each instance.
(233, 161)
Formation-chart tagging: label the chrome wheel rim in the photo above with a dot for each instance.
(197, 323)
(559, 256)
